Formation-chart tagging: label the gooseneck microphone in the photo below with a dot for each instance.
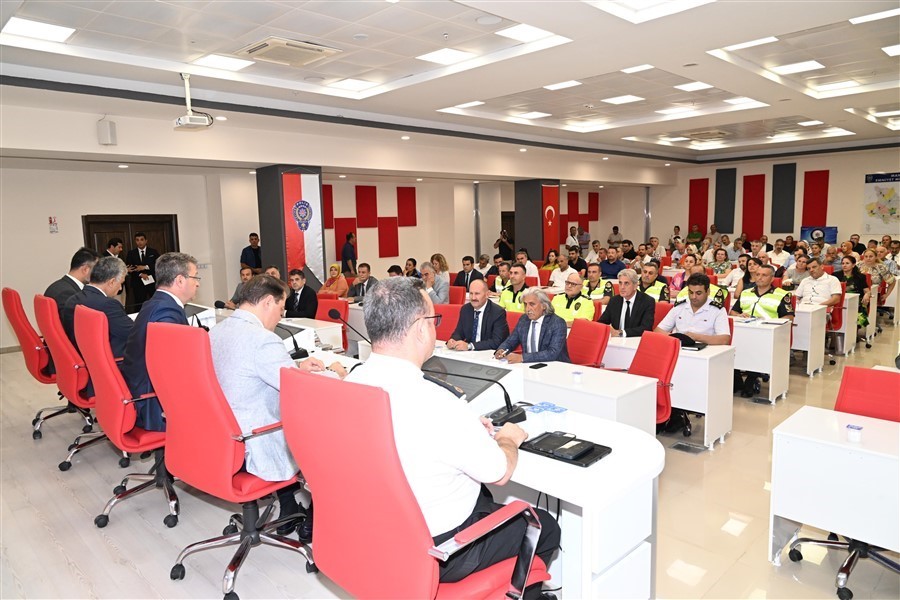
(336, 314)
(219, 304)
(298, 352)
(507, 414)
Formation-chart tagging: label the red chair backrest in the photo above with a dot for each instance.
(71, 373)
(870, 393)
(828, 269)
(401, 568)
(115, 417)
(713, 278)
(449, 318)
(328, 296)
(660, 311)
(544, 277)
(325, 306)
(868, 280)
(539, 263)
(776, 282)
(34, 351)
(656, 356)
(512, 319)
(710, 273)
(666, 261)
(490, 281)
(199, 422)
(587, 342)
(457, 294)
(836, 312)
(598, 309)
(730, 331)
(350, 281)
(531, 281)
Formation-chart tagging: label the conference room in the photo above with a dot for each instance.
(620, 118)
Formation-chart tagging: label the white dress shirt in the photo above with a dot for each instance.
(817, 291)
(558, 277)
(531, 269)
(536, 325)
(78, 283)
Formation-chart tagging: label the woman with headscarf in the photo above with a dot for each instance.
(336, 282)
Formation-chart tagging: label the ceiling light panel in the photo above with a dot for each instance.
(446, 56)
(751, 44)
(563, 85)
(226, 63)
(694, 86)
(524, 33)
(886, 14)
(641, 11)
(622, 99)
(800, 67)
(37, 30)
(637, 69)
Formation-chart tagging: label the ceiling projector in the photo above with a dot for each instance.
(193, 121)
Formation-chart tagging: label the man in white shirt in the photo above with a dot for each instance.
(819, 287)
(714, 234)
(778, 255)
(531, 269)
(597, 253)
(572, 239)
(735, 250)
(655, 250)
(446, 453)
(731, 280)
(558, 276)
(702, 318)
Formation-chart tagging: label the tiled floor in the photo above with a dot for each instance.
(713, 515)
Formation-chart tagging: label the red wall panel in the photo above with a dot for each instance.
(593, 206)
(815, 199)
(366, 206)
(406, 206)
(698, 205)
(341, 228)
(328, 206)
(754, 205)
(388, 237)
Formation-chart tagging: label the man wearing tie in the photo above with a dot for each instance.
(141, 261)
(363, 284)
(482, 325)
(629, 314)
(302, 303)
(469, 274)
(540, 332)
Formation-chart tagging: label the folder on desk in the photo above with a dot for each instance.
(567, 448)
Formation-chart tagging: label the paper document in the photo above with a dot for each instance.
(148, 280)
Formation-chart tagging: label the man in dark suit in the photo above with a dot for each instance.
(177, 282)
(114, 248)
(465, 277)
(363, 284)
(72, 282)
(302, 303)
(100, 294)
(141, 262)
(540, 332)
(482, 325)
(629, 314)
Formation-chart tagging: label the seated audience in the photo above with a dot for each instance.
(610, 268)
(74, 281)
(411, 270)
(484, 266)
(797, 272)
(702, 318)
(593, 286)
(597, 253)
(441, 267)
(819, 287)
(573, 304)
(558, 277)
(856, 284)
(272, 271)
(246, 274)
(531, 269)
(576, 262)
(107, 278)
(363, 283)
(551, 262)
(482, 324)
(502, 279)
(335, 284)
(468, 274)
(436, 288)
(395, 271)
(540, 332)
(511, 296)
(302, 302)
(629, 314)
(651, 284)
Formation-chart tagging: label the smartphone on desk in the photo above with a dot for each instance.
(538, 366)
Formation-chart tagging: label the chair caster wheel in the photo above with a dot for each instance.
(65, 465)
(87, 429)
(124, 462)
(71, 447)
(231, 596)
(795, 555)
(36, 435)
(177, 572)
(868, 345)
(832, 537)
(101, 521)
(171, 521)
(230, 529)
(844, 594)
(34, 421)
(311, 568)
(146, 455)
(686, 432)
(119, 489)
(832, 362)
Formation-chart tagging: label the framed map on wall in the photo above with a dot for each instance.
(881, 203)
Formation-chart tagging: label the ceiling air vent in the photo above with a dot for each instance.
(286, 52)
(709, 135)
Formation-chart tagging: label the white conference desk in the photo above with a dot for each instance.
(701, 383)
(848, 325)
(328, 332)
(873, 314)
(809, 335)
(608, 510)
(822, 480)
(356, 319)
(764, 348)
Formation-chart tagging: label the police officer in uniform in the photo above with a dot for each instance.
(651, 284)
(593, 286)
(511, 296)
(766, 302)
(573, 304)
(701, 316)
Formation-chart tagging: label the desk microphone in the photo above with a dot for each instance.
(219, 304)
(336, 314)
(507, 414)
(298, 352)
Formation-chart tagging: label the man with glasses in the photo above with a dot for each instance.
(446, 453)
(573, 304)
(176, 284)
(540, 332)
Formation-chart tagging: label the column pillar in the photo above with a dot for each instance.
(537, 216)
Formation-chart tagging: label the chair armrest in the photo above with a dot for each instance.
(258, 431)
(141, 397)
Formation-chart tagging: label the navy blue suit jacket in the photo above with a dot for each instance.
(642, 313)
(309, 304)
(461, 278)
(551, 344)
(61, 290)
(119, 323)
(161, 308)
(494, 328)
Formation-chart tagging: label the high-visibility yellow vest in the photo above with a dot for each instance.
(659, 291)
(765, 306)
(579, 307)
(511, 300)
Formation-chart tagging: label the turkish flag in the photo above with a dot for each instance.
(550, 216)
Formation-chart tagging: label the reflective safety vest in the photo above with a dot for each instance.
(499, 286)
(715, 292)
(511, 300)
(594, 294)
(659, 291)
(765, 306)
(579, 307)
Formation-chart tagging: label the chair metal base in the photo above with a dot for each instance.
(856, 551)
(81, 442)
(54, 411)
(156, 478)
(246, 531)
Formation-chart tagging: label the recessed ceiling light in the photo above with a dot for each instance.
(404, 137)
(740, 100)
(226, 63)
(221, 118)
(637, 69)
(476, 182)
(888, 113)
(418, 179)
(891, 50)
(523, 149)
(674, 139)
(123, 166)
(840, 85)
(37, 30)
(759, 42)
(622, 99)
(252, 172)
(342, 177)
(676, 110)
(810, 123)
(630, 138)
(392, 1)
(524, 33)
(533, 115)
(782, 135)
(837, 131)
(605, 158)
(640, 11)
(353, 85)
(469, 104)
(561, 86)
(488, 20)
(693, 86)
(876, 16)
(800, 67)
(600, 186)
(446, 56)
(668, 164)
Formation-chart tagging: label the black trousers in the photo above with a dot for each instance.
(500, 544)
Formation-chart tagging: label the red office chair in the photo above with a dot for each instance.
(328, 296)
(116, 415)
(404, 563)
(544, 277)
(869, 393)
(490, 279)
(531, 281)
(656, 356)
(538, 263)
(660, 311)
(666, 261)
(710, 272)
(512, 319)
(598, 309)
(730, 331)
(828, 269)
(350, 281)
(457, 294)
(72, 376)
(205, 446)
(342, 306)
(449, 318)
(37, 361)
(587, 342)
(776, 282)
(834, 320)
(714, 279)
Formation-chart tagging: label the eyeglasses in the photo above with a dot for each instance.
(193, 277)
(573, 283)
(437, 319)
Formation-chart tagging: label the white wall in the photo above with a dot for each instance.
(31, 257)
(240, 217)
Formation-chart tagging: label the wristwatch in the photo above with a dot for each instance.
(471, 346)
